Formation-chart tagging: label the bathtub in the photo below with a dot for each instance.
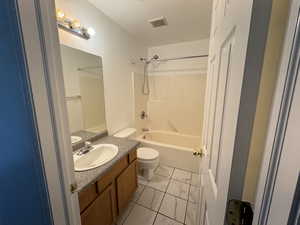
(175, 149)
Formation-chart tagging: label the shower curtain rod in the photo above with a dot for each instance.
(89, 68)
(185, 57)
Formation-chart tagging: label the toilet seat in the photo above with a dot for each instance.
(147, 154)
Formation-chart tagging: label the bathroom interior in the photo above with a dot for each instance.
(141, 95)
(135, 89)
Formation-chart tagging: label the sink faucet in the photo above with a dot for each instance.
(87, 147)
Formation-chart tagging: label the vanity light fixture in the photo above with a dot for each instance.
(73, 26)
(91, 31)
(60, 14)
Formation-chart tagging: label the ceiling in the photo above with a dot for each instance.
(188, 20)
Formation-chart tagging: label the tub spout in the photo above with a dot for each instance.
(144, 115)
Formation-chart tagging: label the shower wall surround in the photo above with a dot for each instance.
(177, 89)
(176, 103)
(140, 101)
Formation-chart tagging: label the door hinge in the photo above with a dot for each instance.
(73, 187)
(239, 213)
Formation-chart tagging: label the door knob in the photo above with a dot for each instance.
(198, 153)
(201, 152)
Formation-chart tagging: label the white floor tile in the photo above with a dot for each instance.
(165, 171)
(191, 214)
(125, 214)
(138, 192)
(163, 220)
(194, 194)
(195, 180)
(159, 183)
(140, 216)
(178, 189)
(151, 198)
(142, 180)
(173, 207)
(183, 176)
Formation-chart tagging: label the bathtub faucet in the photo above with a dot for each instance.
(145, 129)
(144, 115)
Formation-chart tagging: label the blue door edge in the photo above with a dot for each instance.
(14, 25)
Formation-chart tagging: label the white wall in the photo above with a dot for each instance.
(177, 88)
(117, 49)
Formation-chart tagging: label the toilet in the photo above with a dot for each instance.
(147, 158)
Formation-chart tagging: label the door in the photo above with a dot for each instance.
(278, 198)
(227, 55)
(23, 190)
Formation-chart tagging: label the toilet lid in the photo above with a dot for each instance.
(147, 154)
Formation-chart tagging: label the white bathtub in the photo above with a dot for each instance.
(175, 149)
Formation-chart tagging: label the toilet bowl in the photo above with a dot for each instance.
(148, 160)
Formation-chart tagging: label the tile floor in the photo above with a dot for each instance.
(170, 198)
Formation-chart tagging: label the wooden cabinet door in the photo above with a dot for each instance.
(126, 185)
(102, 210)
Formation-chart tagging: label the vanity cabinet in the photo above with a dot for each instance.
(101, 203)
(126, 186)
(102, 210)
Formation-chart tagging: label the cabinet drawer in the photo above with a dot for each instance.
(101, 211)
(132, 156)
(126, 186)
(87, 196)
(109, 177)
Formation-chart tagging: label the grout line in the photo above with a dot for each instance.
(126, 217)
(170, 218)
(187, 204)
(146, 207)
(163, 197)
(138, 197)
(183, 169)
(164, 194)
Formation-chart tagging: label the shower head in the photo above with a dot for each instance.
(155, 57)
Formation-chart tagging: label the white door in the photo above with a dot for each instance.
(227, 56)
(278, 195)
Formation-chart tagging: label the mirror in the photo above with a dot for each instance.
(84, 90)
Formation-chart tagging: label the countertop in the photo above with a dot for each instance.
(85, 178)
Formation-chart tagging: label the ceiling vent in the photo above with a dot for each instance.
(158, 22)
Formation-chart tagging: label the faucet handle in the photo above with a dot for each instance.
(88, 144)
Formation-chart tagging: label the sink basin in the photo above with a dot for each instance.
(75, 139)
(97, 156)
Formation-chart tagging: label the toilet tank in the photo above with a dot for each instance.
(126, 133)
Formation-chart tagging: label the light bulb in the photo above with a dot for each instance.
(76, 24)
(91, 31)
(60, 14)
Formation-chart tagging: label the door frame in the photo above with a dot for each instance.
(41, 45)
(45, 71)
(278, 121)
